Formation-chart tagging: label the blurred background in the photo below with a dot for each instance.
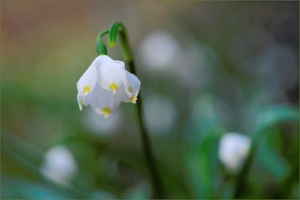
(207, 69)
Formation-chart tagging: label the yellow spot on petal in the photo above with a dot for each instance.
(106, 111)
(133, 99)
(113, 87)
(130, 89)
(80, 104)
(86, 89)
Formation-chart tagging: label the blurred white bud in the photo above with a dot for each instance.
(59, 165)
(233, 150)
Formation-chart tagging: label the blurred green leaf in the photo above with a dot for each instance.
(274, 116)
(276, 165)
(227, 190)
(23, 189)
(203, 166)
(266, 121)
(141, 191)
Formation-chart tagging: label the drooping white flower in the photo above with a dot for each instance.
(105, 84)
(233, 150)
(59, 165)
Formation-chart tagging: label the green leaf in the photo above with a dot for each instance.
(207, 156)
(17, 188)
(272, 162)
(202, 165)
(270, 118)
(274, 116)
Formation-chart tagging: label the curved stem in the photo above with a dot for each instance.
(103, 33)
(100, 46)
(128, 55)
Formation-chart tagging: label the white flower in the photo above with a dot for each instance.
(105, 84)
(233, 150)
(59, 165)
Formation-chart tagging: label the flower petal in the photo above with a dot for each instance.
(111, 73)
(122, 94)
(132, 87)
(88, 80)
(83, 100)
(104, 102)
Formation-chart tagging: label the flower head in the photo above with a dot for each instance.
(59, 165)
(233, 150)
(105, 84)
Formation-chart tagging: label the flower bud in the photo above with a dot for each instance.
(233, 150)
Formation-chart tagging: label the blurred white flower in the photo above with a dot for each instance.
(105, 84)
(159, 49)
(233, 150)
(59, 165)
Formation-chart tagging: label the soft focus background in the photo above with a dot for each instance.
(207, 68)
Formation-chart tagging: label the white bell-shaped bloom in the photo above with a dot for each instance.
(105, 84)
(233, 150)
(59, 165)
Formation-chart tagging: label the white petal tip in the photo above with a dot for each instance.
(106, 116)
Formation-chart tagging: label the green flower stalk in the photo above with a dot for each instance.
(119, 28)
(116, 85)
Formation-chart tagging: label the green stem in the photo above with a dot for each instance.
(100, 46)
(242, 176)
(155, 178)
(103, 33)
